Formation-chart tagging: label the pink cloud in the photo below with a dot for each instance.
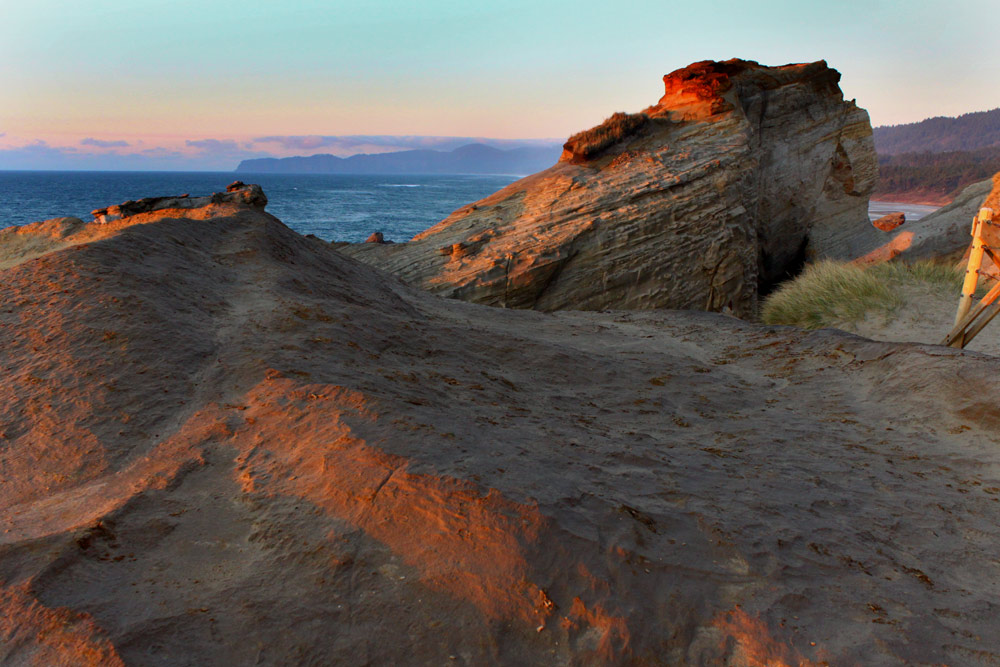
(102, 143)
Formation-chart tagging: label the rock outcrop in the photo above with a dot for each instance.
(723, 188)
(236, 193)
(225, 443)
(944, 235)
(890, 221)
(22, 243)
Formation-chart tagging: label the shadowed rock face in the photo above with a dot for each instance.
(224, 443)
(737, 175)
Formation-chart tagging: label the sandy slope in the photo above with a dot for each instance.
(927, 316)
(224, 443)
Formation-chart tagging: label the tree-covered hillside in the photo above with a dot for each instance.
(934, 177)
(968, 132)
(933, 160)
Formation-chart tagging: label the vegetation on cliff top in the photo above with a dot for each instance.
(614, 129)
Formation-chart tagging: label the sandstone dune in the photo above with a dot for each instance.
(735, 177)
(225, 443)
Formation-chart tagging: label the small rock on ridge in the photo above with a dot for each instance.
(889, 222)
(236, 193)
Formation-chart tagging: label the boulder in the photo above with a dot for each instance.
(376, 237)
(890, 221)
(724, 187)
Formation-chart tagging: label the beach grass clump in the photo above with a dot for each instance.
(933, 274)
(832, 293)
(614, 129)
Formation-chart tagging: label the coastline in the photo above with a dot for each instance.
(913, 211)
(918, 198)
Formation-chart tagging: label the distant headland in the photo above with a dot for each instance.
(468, 159)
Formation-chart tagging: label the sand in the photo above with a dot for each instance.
(926, 316)
(224, 443)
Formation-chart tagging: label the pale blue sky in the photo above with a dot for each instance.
(158, 75)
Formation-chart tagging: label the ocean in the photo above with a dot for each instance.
(876, 209)
(334, 207)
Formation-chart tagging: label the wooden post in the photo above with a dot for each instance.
(968, 324)
(963, 333)
(975, 261)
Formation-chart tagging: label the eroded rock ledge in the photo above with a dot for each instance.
(237, 192)
(713, 194)
(23, 243)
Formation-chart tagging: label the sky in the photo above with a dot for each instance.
(182, 84)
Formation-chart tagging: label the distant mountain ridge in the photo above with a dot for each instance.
(468, 159)
(970, 131)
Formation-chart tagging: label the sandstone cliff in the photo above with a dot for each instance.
(737, 175)
(224, 443)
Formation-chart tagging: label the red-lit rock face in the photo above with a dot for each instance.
(708, 88)
(696, 91)
(889, 222)
(721, 189)
(225, 443)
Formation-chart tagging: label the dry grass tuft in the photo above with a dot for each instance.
(619, 126)
(834, 293)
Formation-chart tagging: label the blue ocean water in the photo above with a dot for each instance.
(334, 207)
(331, 206)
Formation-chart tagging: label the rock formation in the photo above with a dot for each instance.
(724, 187)
(225, 443)
(237, 192)
(890, 221)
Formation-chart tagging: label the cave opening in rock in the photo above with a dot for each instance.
(772, 279)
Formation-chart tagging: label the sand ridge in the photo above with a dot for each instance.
(224, 442)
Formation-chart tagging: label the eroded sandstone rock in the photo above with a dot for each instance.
(737, 175)
(890, 221)
(236, 193)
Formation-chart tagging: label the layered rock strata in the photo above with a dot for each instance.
(724, 187)
(224, 443)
